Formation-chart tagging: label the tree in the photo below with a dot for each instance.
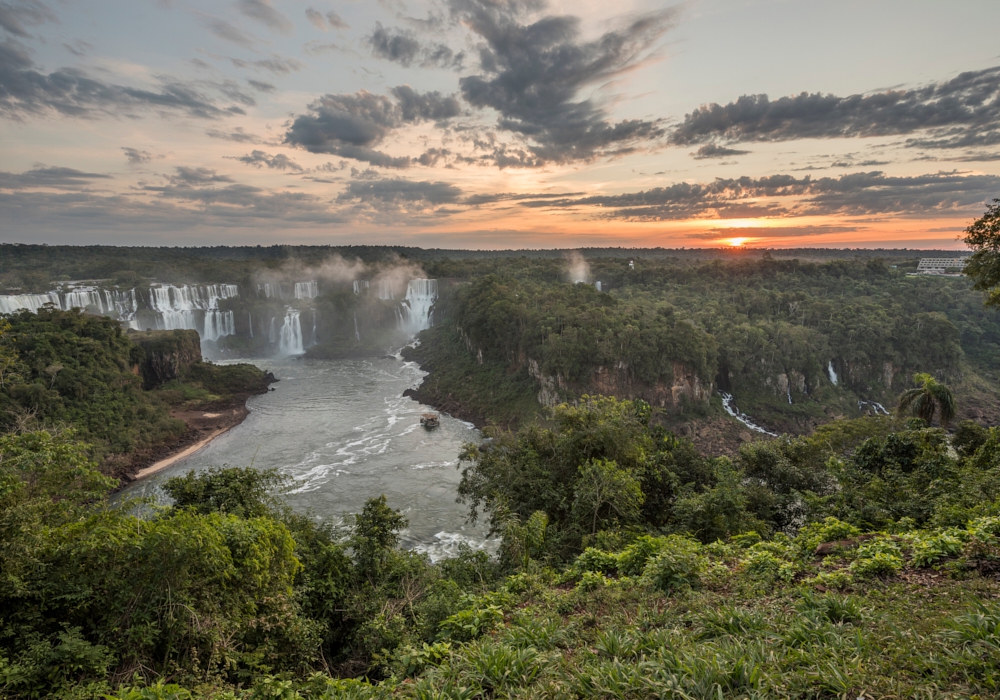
(983, 236)
(927, 399)
(376, 533)
(602, 485)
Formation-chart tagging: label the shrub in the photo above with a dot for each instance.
(831, 579)
(828, 530)
(766, 567)
(595, 560)
(632, 561)
(592, 580)
(678, 564)
(469, 624)
(928, 548)
(876, 559)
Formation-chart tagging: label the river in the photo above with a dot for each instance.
(344, 433)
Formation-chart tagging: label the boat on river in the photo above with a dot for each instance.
(430, 420)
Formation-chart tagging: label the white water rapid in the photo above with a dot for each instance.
(418, 309)
(290, 336)
(727, 403)
(877, 408)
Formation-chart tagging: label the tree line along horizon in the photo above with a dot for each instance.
(861, 557)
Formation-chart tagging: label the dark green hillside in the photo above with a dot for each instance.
(83, 371)
(767, 331)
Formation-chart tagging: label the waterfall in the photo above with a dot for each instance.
(306, 290)
(789, 391)
(272, 335)
(218, 324)
(418, 308)
(290, 342)
(356, 333)
(360, 286)
(832, 372)
(103, 302)
(270, 290)
(385, 290)
(250, 319)
(876, 407)
(727, 404)
(313, 341)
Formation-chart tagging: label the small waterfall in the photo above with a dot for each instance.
(272, 333)
(832, 372)
(250, 320)
(418, 308)
(218, 324)
(313, 340)
(290, 342)
(269, 289)
(360, 286)
(597, 285)
(789, 391)
(356, 333)
(100, 301)
(877, 408)
(306, 290)
(385, 290)
(727, 404)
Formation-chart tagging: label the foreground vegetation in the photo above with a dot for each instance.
(862, 559)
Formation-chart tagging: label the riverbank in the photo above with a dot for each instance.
(204, 424)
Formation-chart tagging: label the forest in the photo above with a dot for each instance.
(855, 554)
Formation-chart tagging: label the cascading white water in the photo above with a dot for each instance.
(272, 334)
(418, 308)
(306, 290)
(360, 286)
(250, 320)
(181, 308)
(313, 340)
(11, 303)
(270, 290)
(356, 333)
(832, 372)
(290, 340)
(102, 301)
(385, 290)
(727, 404)
(877, 408)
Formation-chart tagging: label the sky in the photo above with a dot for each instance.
(498, 123)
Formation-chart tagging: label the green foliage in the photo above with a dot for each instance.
(930, 398)
(245, 492)
(877, 558)
(983, 237)
(376, 533)
(78, 370)
(678, 563)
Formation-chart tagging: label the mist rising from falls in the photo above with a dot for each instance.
(418, 308)
(290, 336)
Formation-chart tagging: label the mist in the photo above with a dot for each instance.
(577, 268)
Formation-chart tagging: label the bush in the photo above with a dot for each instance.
(633, 558)
(828, 530)
(927, 548)
(678, 564)
(878, 558)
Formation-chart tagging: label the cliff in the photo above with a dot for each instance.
(165, 355)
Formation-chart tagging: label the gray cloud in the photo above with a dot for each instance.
(229, 32)
(16, 16)
(276, 162)
(68, 91)
(189, 177)
(428, 106)
(783, 195)
(771, 232)
(55, 178)
(961, 112)
(78, 48)
(261, 86)
(402, 46)
(533, 72)
(261, 11)
(713, 150)
(136, 157)
(324, 22)
(279, 65)
(238, 134)
(396, 190)
(351, 125)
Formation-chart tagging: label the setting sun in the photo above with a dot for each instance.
(737, 242)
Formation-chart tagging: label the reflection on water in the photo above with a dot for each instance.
(344, 433)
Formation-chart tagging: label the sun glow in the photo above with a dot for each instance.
(736, 242)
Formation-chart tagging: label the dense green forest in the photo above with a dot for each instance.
(773, 333)
(69, 370)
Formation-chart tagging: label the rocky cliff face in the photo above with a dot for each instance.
(165, 354)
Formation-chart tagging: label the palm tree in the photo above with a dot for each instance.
(930, 397)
